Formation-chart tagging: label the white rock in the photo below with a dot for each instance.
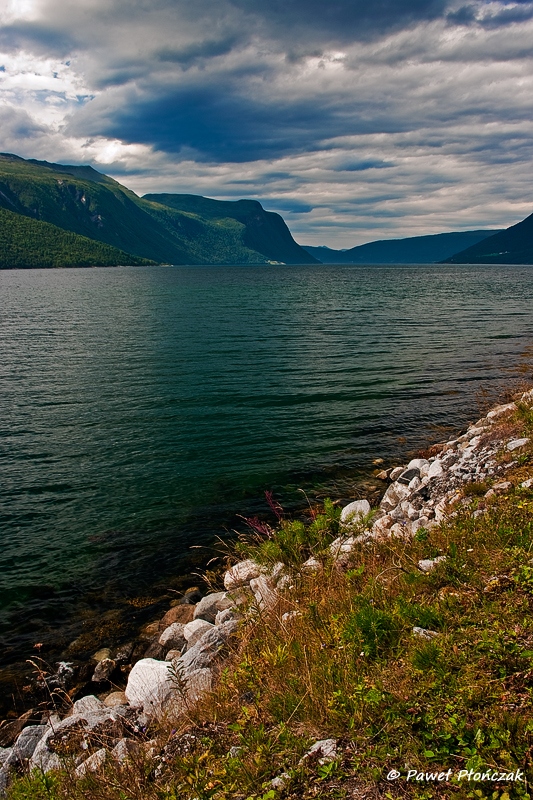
(126, 750)
(241, 574)
(395, 493)
(527, 397)
(280, 781)
(211, 604)
(516, 443)
(92, 764)
(311, 565)
(396, 472)
(382, 525)
(429, 564)
(527, 484)
(265, 593)
(194, 630)
(414, 484)
(435, 470)
(225, 616)
(500, 411)
(325, 749)
(87, 705)
(400, 531)
(421, 464)
(150, 686)
(354, 512)
(423, 633)
(173, 636)
(502, 487)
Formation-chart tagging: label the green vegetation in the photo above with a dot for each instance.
(192, 231)
(348, 665)
(29, 243)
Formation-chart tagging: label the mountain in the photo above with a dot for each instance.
(413, 250)
(27, 243)
(511, 246)
(84, 202)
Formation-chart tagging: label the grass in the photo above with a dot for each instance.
(349, 666)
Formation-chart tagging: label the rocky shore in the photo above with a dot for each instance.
(184, 652)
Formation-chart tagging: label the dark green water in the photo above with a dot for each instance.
(143, 409)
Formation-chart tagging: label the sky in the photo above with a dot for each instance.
(355, 121)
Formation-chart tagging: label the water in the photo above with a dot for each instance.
(143, 409)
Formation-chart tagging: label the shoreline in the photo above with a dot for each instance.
(419, 497)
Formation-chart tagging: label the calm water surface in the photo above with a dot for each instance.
(143, 409)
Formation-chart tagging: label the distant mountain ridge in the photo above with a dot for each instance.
(176, 229)
(412, 250)
(511, 246)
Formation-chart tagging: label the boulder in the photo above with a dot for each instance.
(115, 699)
(92, 764)
(104, 670)
(408, 475)
(241, 574)
(173, 637)
(194, 631)
(421, 464)
(395, 493)
(395, 473)
(354, 512)
(88, 705)
(150, 686)
(436, 469)
(211, 604)
(181, 613)
(265, 593)
(204, 652)
(381, 526)
(127, 750)
(25, 745)
(225, 616)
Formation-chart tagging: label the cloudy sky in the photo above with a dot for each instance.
(356, 121)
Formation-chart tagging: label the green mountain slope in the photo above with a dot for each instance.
(26, 243)
(412, 250)
(85, 202)
(512, 246)
(260, 231)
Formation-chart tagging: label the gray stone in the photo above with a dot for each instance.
(265, 593)
(211, 604)
(517, 443)
(395, 473)
(5, 752)
(194, 630)
(92, 764)
(173, 637)
(280, 781)
(241, 574)
(127, 750)
(225, 616)
(325, 750)
(87, 705)
(435, 469)
(395, 493)
(527, 484)
(104, 670)
(312, 565)
(150, 686)
(354, 512)
(423, 633)
(207, 648)
(408, 475)
(26, 743)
